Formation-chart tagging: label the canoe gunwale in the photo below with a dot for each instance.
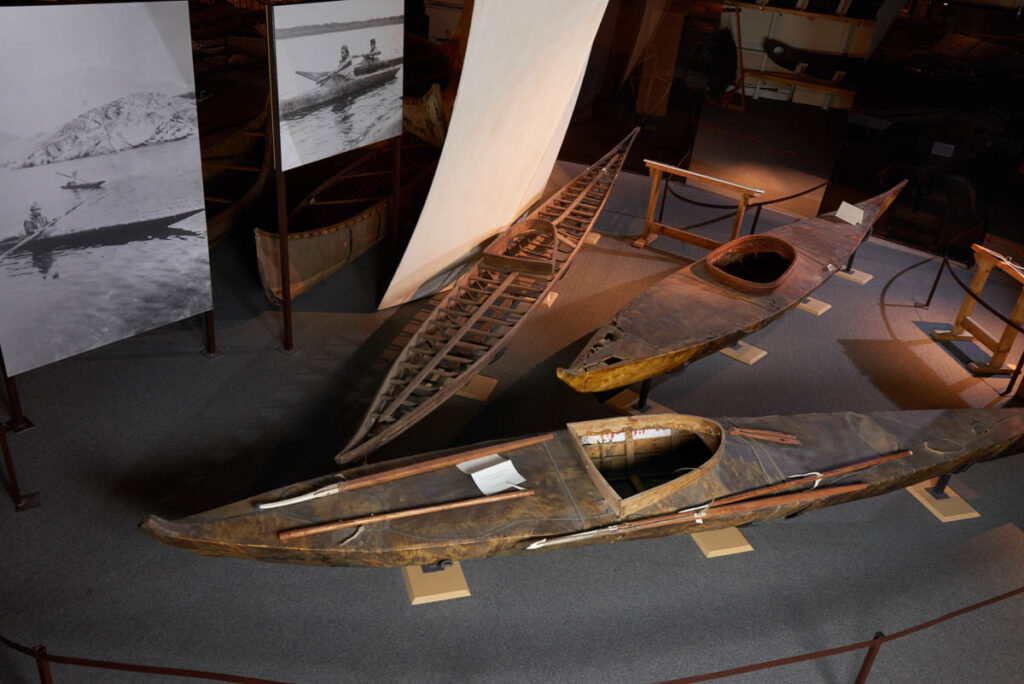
(706, 429)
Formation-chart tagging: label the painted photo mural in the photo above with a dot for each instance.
(102, 228)
(339, 75)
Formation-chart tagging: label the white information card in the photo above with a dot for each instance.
(492, 474)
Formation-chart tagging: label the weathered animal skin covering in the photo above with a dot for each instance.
(696, 311)
(603, 481)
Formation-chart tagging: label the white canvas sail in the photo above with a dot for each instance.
(524, 66)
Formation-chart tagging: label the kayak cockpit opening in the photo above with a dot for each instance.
(636, 462)
(754, 263)
(530, 245)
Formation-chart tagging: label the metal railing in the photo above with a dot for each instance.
(43, 657)
(873, 646)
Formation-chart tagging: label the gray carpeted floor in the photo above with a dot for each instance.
(152, 425)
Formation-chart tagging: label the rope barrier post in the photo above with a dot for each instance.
(869, 659)
(22, 502)
(757, 217)
(935, 285)
(645, 389)
(939, 490)
(1013, 378)
(42, 665)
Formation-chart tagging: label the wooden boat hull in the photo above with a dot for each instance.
(83, 186)
(235, 172)
(693, 313)
(474, 321)
(571, 507)
(336, 89)
(344, 217)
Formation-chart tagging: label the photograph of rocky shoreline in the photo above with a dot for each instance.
(102, 228)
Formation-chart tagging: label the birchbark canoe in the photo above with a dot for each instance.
(596, 482)
(703, 307)
(336, 89)
(345, 216)
(475, 320)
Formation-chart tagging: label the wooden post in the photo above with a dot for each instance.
(740, 211)
(741, 72)
(396, 193)
(21, 502)
(869, 659)
(282, 207)
(18, 420)
(211, 337)
(42, 665)
(647, 237)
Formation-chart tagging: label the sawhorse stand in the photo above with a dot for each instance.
(966, 328)
(652, 228)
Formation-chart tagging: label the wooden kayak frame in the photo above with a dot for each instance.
(458, 339)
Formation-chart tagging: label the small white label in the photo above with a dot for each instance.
(849, 213)
(492, 474)
(941, 149)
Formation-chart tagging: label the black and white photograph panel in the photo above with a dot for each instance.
(339, 76)
(102, 228)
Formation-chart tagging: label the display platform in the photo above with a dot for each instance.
(150, 425)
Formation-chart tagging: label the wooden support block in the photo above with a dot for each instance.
(814, 306)
(642, 242)
(550, 299)
(744, 353)
(949, 509)
(479, 388)
(625, 402)
(592, 238)
(723, 542)
(950, 335)
(853, 275)
(989, 369)
(434, 585)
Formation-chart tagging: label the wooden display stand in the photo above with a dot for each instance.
(479, 388)
(744, 353)
(652, 228)
(966, 328)
(854, 276)
(724, 542)
(628, 402)
(947, 506)
(814, 306)
(429, 584)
